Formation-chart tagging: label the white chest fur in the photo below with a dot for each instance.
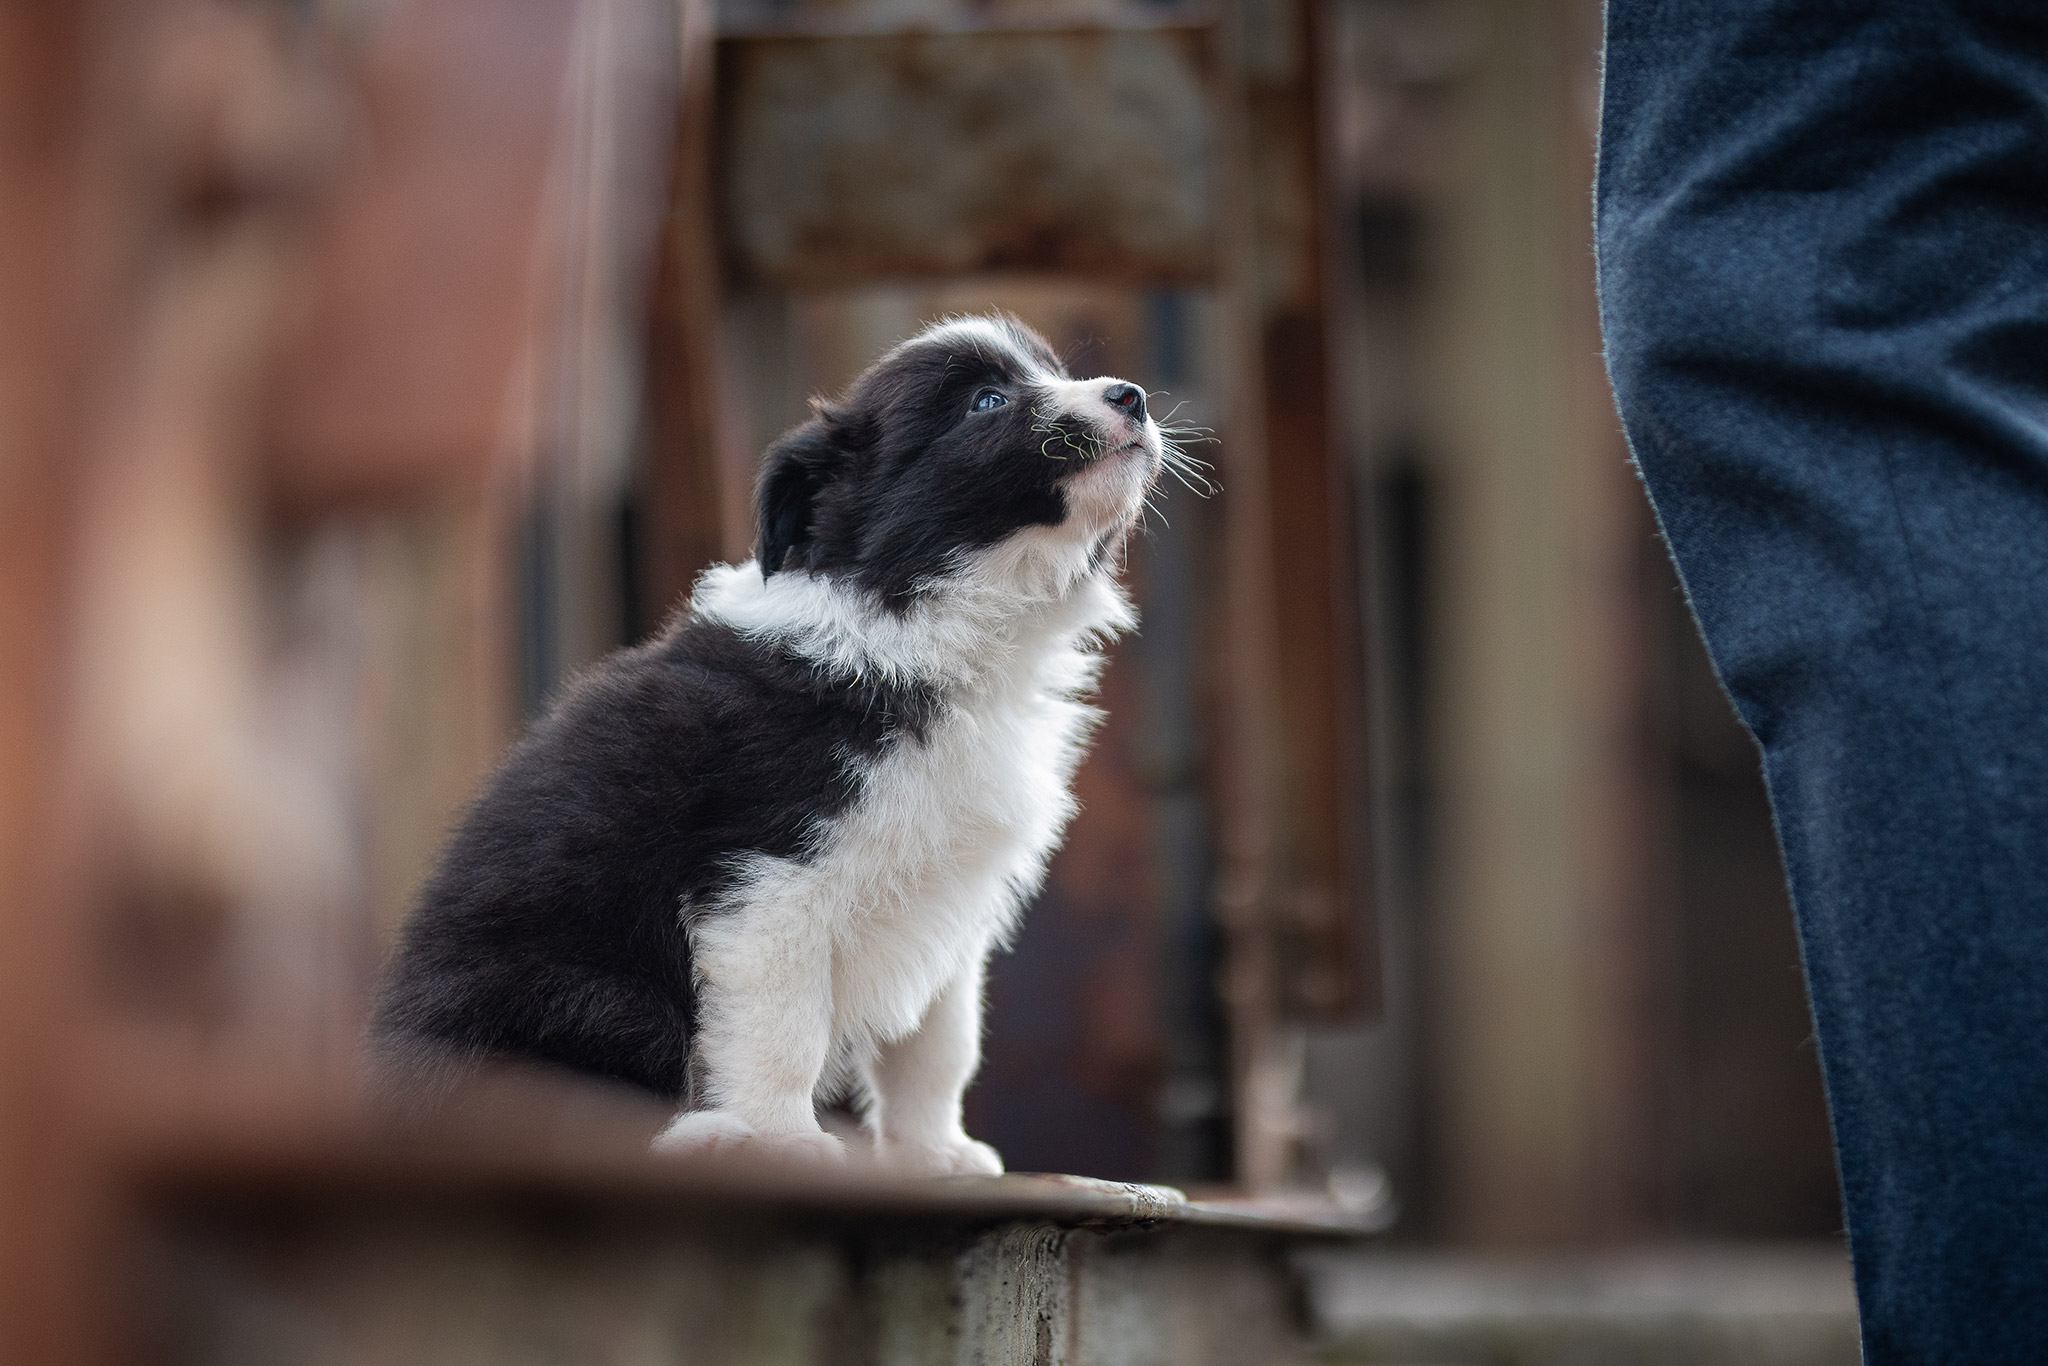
(928, 868)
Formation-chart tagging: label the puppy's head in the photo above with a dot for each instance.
(967, 449)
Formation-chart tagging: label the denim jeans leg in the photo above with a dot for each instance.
(1823, 252)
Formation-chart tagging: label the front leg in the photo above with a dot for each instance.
(915, 1087)
(764, 1028)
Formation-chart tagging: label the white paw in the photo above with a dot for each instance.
(716, 1132)
(958, 1155)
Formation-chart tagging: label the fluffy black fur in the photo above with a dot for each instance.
(886, 486)
(553, 927)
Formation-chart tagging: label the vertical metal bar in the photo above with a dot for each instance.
(685, 496)
(1296, 889)
(1249, 780)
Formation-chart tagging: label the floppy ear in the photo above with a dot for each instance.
(795, 468)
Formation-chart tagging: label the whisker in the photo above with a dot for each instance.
(1192, 473)
(1207, 490)
(1053, 431)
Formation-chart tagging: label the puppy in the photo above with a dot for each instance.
(764, 857)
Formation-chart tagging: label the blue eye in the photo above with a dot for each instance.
(988, 400)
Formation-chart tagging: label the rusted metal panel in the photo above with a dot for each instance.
(857, 158)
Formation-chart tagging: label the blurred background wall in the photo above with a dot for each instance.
(1596, 1027)
(369, 366)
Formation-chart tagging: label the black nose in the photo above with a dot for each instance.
(1127, 399)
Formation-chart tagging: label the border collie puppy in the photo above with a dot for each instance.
(763, 857)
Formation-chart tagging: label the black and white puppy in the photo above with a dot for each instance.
(766, 855)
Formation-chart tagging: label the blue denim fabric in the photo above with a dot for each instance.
(1823, 249)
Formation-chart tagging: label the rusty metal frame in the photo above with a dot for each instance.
(1295, 879)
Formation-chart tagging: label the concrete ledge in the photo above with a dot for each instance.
(1018, 1271)
(1734, 1305)
(530, 1224)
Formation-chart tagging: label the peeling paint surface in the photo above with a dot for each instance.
(925, 154)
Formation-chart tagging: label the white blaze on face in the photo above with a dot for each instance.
(1118, 457)
(1113, 461)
